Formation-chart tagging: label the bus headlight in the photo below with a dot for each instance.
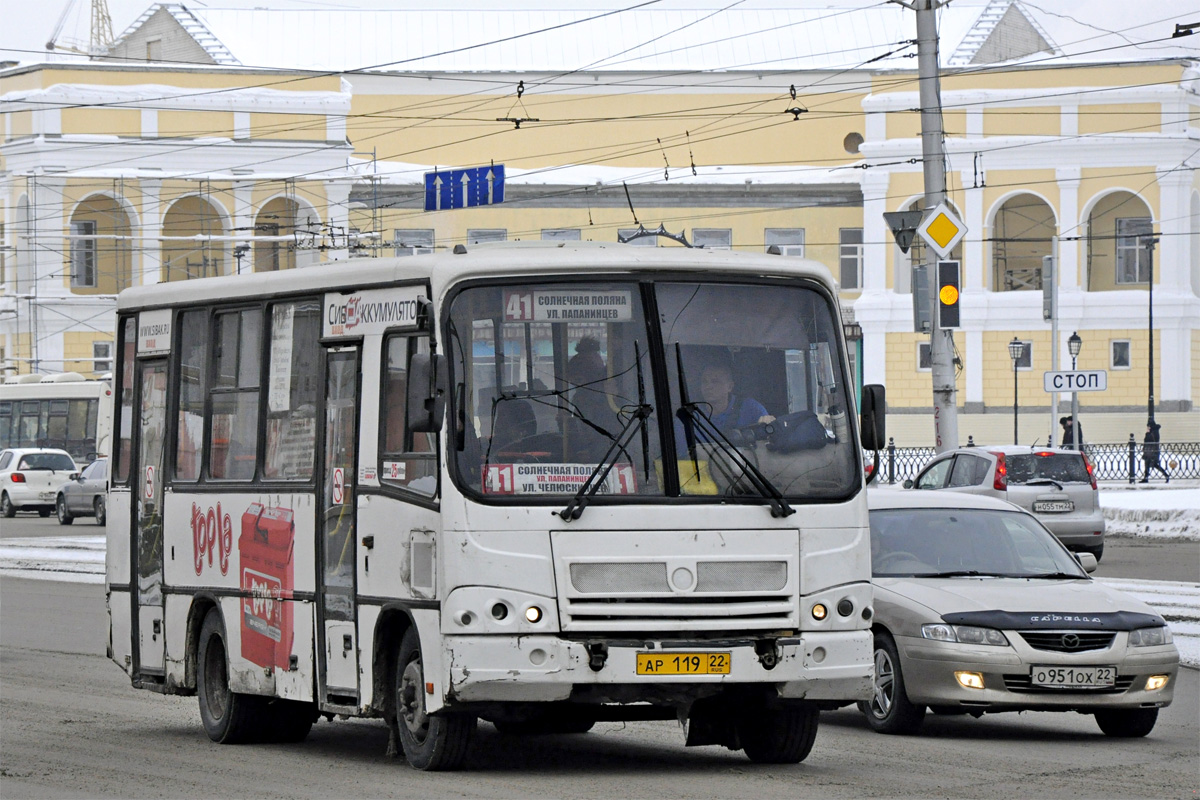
(533, 614)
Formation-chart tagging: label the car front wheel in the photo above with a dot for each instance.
(64, 516)
(889, 710)
(1127, 723)
(100, 510)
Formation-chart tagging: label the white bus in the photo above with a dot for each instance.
(538, 485)
(64, 411)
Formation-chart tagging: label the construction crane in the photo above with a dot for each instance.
(101, 31)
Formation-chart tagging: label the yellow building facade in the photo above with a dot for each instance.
(122, 174)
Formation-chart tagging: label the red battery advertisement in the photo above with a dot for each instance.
(268, 571)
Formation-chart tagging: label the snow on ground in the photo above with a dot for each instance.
(1156, 510)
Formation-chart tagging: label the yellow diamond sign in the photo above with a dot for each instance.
(942, 229)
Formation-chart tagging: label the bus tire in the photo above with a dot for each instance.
(60, 507)
(431, 742)
(782, 735)
(228, 717)
(287, 721)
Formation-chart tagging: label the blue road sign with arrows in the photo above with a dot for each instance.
(464, 188)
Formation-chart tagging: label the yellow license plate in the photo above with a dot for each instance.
(683, 663)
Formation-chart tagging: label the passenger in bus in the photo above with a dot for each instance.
(587, 401)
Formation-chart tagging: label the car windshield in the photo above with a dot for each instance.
(916, 542)
(1060, 467)
(554, 380)
(48, 461)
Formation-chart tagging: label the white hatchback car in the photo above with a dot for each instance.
(30, 479)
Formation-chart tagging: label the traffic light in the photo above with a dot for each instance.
(948, 291)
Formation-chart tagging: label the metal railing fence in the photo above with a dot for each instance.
(1116, 461)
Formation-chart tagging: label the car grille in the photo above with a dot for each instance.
(1068, 641)
(1024, 684)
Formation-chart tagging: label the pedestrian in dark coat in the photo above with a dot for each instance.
(1150, 451)
(1068, 424)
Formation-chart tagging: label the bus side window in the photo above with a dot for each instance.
(193, 388)
(234, 436)
(125, 410)
(293, 388)
(408, 460)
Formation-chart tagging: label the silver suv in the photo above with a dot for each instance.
(1058, 486)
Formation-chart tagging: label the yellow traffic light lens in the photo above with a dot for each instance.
(948, 295)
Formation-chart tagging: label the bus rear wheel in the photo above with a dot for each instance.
(432, 742)
(228, 717)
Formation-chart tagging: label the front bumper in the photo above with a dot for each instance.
(827, 666)
(929, 667)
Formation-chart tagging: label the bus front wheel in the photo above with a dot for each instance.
(431, 742)
(779, 735)
(228, 717)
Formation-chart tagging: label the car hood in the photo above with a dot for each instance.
(955, 595)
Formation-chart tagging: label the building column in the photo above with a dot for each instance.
(973, 243)
(1069, 226)
(1172, 256)
(152, 217)
(50, 257)
(243, 223)
(974, 371)
(337, 212)
(876, 235)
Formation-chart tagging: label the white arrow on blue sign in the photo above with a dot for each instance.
(464, 188)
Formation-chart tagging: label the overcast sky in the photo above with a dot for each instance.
(26, 25)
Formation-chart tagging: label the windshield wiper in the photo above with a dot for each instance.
(1045, 482)
(962, 573)
(637, 422)
(694, 418)
(1055, 576)
(579, 502)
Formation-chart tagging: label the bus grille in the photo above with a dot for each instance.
(650, 596)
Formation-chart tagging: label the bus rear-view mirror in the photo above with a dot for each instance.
(873, 417)
(426, 392)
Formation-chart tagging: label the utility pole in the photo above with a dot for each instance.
(933, 157)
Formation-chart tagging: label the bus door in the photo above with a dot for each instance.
(338, 647)
(150, 427)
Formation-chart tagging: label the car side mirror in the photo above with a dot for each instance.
(76, 476)
(1087, 561)
(426, 396)
(908, 483)
(873, 417)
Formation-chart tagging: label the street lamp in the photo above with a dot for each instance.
(1149, 240)
(1074, 345)
(1015, 349)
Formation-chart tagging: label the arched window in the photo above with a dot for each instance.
(1118, 256)
(102, 265)
(1022, 234)
(193, 216)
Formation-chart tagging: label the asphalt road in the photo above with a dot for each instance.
(71, 726)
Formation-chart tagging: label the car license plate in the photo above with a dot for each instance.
(1053, 506)
(1074, 677)
(46, 495)
(683, 663)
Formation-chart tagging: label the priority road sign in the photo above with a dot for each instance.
(464, 188)
(942, 229)
(1075, 380)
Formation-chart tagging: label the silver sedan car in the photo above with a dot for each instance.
(979, 609)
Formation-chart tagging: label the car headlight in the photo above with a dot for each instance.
(963, 634)
(1149, 637)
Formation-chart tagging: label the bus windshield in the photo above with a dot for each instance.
(548, 378)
